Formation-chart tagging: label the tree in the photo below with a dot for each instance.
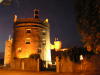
(88, 21)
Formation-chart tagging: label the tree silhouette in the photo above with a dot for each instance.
(88, 19)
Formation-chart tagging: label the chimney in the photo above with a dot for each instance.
(36, 13)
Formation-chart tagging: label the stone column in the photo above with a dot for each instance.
(23, 66)
(38, 65)
(57, 64)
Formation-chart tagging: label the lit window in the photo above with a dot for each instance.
(43, 32)
(19, 49)
(27, 41)
(28, 30)
(43, 42)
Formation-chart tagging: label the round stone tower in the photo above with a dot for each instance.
(30, 37)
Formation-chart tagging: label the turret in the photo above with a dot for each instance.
(36, 13)
(15, 18)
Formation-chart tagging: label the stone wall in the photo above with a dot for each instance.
(91, 64)
(26, 64)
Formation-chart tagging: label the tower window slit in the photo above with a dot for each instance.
(28, 30)
(27, 41)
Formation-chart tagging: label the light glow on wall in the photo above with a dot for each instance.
(52, 46)
(57, 45)
(23, 55)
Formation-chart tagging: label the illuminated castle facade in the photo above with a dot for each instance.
(31, 36)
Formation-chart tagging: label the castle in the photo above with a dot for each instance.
(31, 38)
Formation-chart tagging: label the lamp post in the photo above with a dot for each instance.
(81, 59)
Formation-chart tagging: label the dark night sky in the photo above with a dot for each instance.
(61, 15)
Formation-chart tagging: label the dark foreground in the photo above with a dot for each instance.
(11, 72)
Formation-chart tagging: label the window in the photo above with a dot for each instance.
(27, 41)
(28, 30)
(43, 42)
(19, 49)
(36, 12)
(43, 32)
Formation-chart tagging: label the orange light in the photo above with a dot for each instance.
(89, 48)
(23, 55)
(98, 48)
